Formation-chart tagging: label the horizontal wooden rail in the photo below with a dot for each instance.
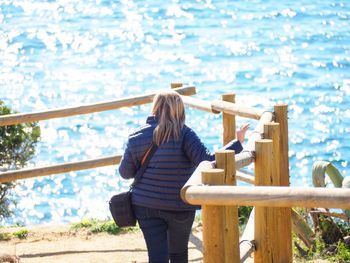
(218, 106)
(10, 176)
(247, 243)
(244, 159)
(198, 104)
(268, 196)
(241, 160)
(245, 177)
(234, 109)
(85, 109)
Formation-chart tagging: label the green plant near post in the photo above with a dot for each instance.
(17, 147)
(342, 253)
(21, 234)
(329, 234)
(98, 226)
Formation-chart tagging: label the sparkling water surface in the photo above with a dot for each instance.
(66, 53)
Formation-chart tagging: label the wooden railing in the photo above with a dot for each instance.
(213, 184)
(25, 173)
(85, 109)
(12, 119)
(268, 231)
(12, 175)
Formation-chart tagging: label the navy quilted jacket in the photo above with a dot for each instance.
(170, 167)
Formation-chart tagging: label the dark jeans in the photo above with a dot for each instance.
(166, 233)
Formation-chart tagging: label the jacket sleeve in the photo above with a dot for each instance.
(197, 152)
(233, 145)
(127, 166)
(195, 149)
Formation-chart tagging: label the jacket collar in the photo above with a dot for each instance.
(152, 120)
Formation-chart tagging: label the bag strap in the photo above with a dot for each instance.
(144, 163)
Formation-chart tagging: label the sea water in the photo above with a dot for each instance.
(66, 53)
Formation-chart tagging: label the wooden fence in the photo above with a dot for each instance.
(213, 184)
(268, 232)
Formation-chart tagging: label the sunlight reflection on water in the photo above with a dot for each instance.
(59, 54)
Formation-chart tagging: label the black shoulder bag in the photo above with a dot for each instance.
(120, 204)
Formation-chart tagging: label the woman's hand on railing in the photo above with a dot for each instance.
(242, 131)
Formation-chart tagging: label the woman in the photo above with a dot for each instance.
(164, 219)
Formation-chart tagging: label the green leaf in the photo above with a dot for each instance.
(319, 171)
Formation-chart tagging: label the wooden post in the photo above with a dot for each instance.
(281, 116)
(229, 121)
(212, 217)
(226, 160)
(263, 215)
(271, 131)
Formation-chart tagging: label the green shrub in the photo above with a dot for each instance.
(96, 226)
(5, 236)
(108, 227)
(21, 234)
(319, 249)
(84, 223)
(17, 147)
(343, 253)
(243, 214)
(243, 217)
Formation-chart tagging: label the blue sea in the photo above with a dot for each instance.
(66, 53)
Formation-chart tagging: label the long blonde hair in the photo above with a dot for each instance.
(169, 108)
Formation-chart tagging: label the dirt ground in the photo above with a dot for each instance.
(46, 244)
(61, 244)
